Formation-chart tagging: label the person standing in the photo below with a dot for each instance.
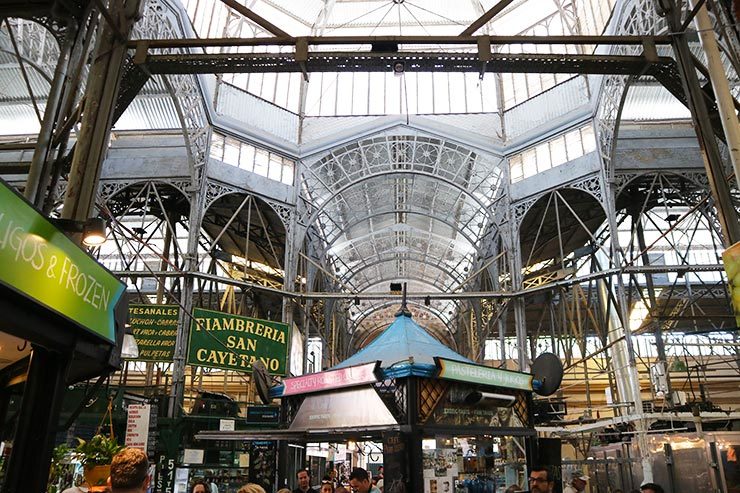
(359, 481)
(540, 480)
(129, 472)
(651, 488)
(304, 482)
(577, 483)
(200, 487)
(251, 488)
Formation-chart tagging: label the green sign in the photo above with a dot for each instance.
(41, 263)
(155, 330)
(485, 375)
(232, 342)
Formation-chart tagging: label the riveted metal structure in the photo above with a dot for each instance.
(538, 185)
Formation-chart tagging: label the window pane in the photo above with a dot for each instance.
(246, 158)
(359, 98)
(517, 171)
(231, 151)
(529, 161)
(573, 144)
(488, 87)
(255, 83)
(425, 95)
(376, 87)
(473, 93)
(268, 86)
(441, 94)
(520, 89)
(557, 151)
(588, 138)
(313, 94)
(328, 94)
(282, 90)
(393, 92)
(217, 147)
(261, 161)
(344, 93)
(276, 167)
(408, 83)
(294, 92)
(288, 172)
(457, 92)
(543, 156)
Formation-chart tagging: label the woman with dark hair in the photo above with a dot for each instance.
(326, 487)
(200, 487)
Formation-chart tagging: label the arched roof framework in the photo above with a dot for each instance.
(443, 307)
(392, 206)
(402, 207)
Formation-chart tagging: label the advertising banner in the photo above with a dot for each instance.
(472, 373)
(41, 263)
(332, 379)
(233, 342)
(155, 330)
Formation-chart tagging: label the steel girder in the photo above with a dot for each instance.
(196, 63)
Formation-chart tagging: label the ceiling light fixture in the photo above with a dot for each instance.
(93, 230)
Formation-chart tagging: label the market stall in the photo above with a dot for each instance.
(63, 318)
(443, 421)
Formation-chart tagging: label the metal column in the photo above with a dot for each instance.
(659, 344)
(726, 212)
(28, 469)
(100, 100)
(720, 86)
(38, 171)
(515, 265)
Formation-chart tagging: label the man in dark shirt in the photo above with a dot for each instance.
(304, 482)
(359, 481)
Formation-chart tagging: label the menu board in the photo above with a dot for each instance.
(262, 461)
(395, 475)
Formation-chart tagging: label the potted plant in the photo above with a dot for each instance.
(96, 456)
(59, 465)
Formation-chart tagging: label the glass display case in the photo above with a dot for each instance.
(472, 464)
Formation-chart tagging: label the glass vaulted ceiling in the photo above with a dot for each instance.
(401, 205)
(406, 207)
(358, 93)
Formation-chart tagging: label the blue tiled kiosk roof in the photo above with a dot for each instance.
(403, 349)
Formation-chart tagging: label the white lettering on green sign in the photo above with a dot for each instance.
(464, 372)
(41, 263)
